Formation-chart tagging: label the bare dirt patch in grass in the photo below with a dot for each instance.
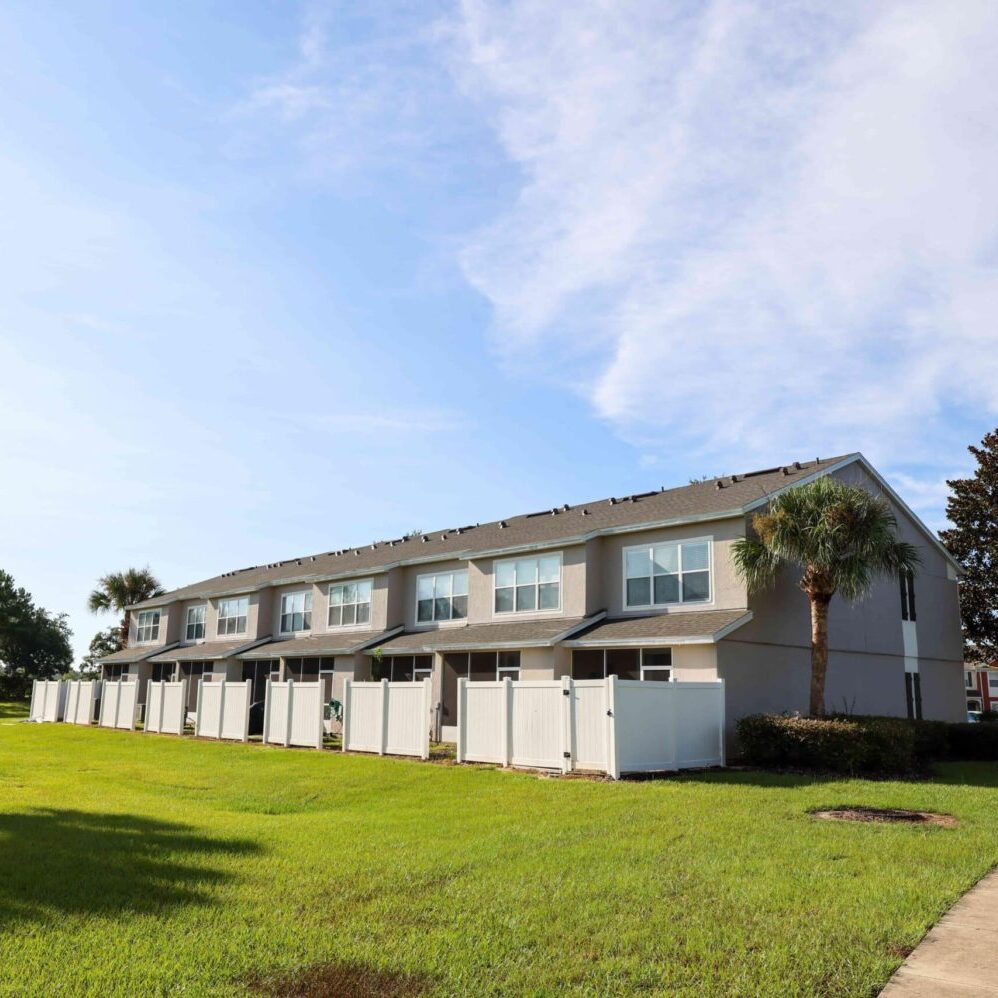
(340, 980)
(886, 815)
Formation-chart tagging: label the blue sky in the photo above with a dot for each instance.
(278, 278)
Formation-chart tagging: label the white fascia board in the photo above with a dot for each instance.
(858, 458)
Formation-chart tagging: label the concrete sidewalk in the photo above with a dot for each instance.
(959, 956)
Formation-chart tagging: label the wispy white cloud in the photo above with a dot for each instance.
(747, 227)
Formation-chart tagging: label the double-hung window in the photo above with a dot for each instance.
(147, 626)
(907, 579)
(443, 596)
(993, 684)
(349, 603)
(195, 623)
(662, 574)
(296, 612)
(525, 584)
(232, 614)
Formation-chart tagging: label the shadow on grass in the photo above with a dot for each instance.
(59, 862)
(13, 709)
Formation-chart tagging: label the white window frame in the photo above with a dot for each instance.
(369, 603)
(650, 546)
(232, 616)
(144, 625)
(202, 623)
(306, 608)
(450, 573)
(548, 610)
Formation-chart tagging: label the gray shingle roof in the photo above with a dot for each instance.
(137, 653)
(209, 651)
(319, 644)
(660, 627)
(718, 496)
(514, 633)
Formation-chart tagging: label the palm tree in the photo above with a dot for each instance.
(841, 538)
(123, 589)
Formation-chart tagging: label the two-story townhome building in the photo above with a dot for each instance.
(641, 586)
(982, 689)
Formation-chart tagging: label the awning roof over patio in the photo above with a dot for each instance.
(683, 627)
(486, 637)
(208, 651)
(138, 653)
(345, 643)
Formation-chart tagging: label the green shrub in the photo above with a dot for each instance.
(835, 744)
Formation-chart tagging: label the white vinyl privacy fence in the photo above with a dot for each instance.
(387, 718)
(223, 711)
(166, 707)
(48, 700)
(292, 714)
(117, 704)
(81, 700)
(608, 725)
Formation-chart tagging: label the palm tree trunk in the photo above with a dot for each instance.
(819, 652)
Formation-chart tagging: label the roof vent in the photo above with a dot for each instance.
(424, 538)
(298, 561)
(586, 512)
(356, 552)
(719, 484)
(612, 501)
(503, 524)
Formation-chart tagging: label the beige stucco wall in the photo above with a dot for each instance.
(320, 605)
(167, 627)
(728, 590)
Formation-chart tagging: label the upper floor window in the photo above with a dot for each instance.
(296, 612)
(525, 584)
(907, 580)
(443, 596)
(147, 626)
(969, 678)
(195, 623)
(993, 683)
(660, 574)
(232, 615)
(349, 603)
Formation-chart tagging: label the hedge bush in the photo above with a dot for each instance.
(861, 744)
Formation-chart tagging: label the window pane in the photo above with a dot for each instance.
(460, 583)
(424, 610)
(335, 595)
(285, 622)
(441, 608)
(363, 613)
(459, 607)
(526, 598)
(696, 587)
(402, 669)
(526, 571)
(550, 568)
(504, 600)
(548, 595)
(638, 592)
(666, 588)
(587, 663)
(694, 557)
(442, 585)
(335, 616)
(349, 593)
(240, 625)
(637, 563)
(350, 613)
(666, 558)
(482, 666)
(424, 587)
(623, 663)
(308, 601)
(364, 592)
(661, 657)
(657, 675)
(509, 660)
(505, 574)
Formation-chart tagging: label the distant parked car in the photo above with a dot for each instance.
(973, 716)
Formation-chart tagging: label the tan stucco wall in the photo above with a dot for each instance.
(728, 590)
(694, 663)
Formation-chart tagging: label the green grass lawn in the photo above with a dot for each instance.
(143, 864)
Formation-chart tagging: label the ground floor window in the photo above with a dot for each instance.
(649, 664)
(162, 672)
(302, 670)
(476, 667)
(115, 670)
(402, 668)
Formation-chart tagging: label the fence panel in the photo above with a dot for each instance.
(363, 712)
(117, 705)
(589, 724)
(48, 700)
(700, 725)
(81, 697)
(483, 722)
(236, 711)
(166, 707)
(537, 728)
(293, 714)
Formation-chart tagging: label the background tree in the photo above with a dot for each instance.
(840, 537)
(104, 643)
(34, 644)
(119, 590)
(973, 541)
